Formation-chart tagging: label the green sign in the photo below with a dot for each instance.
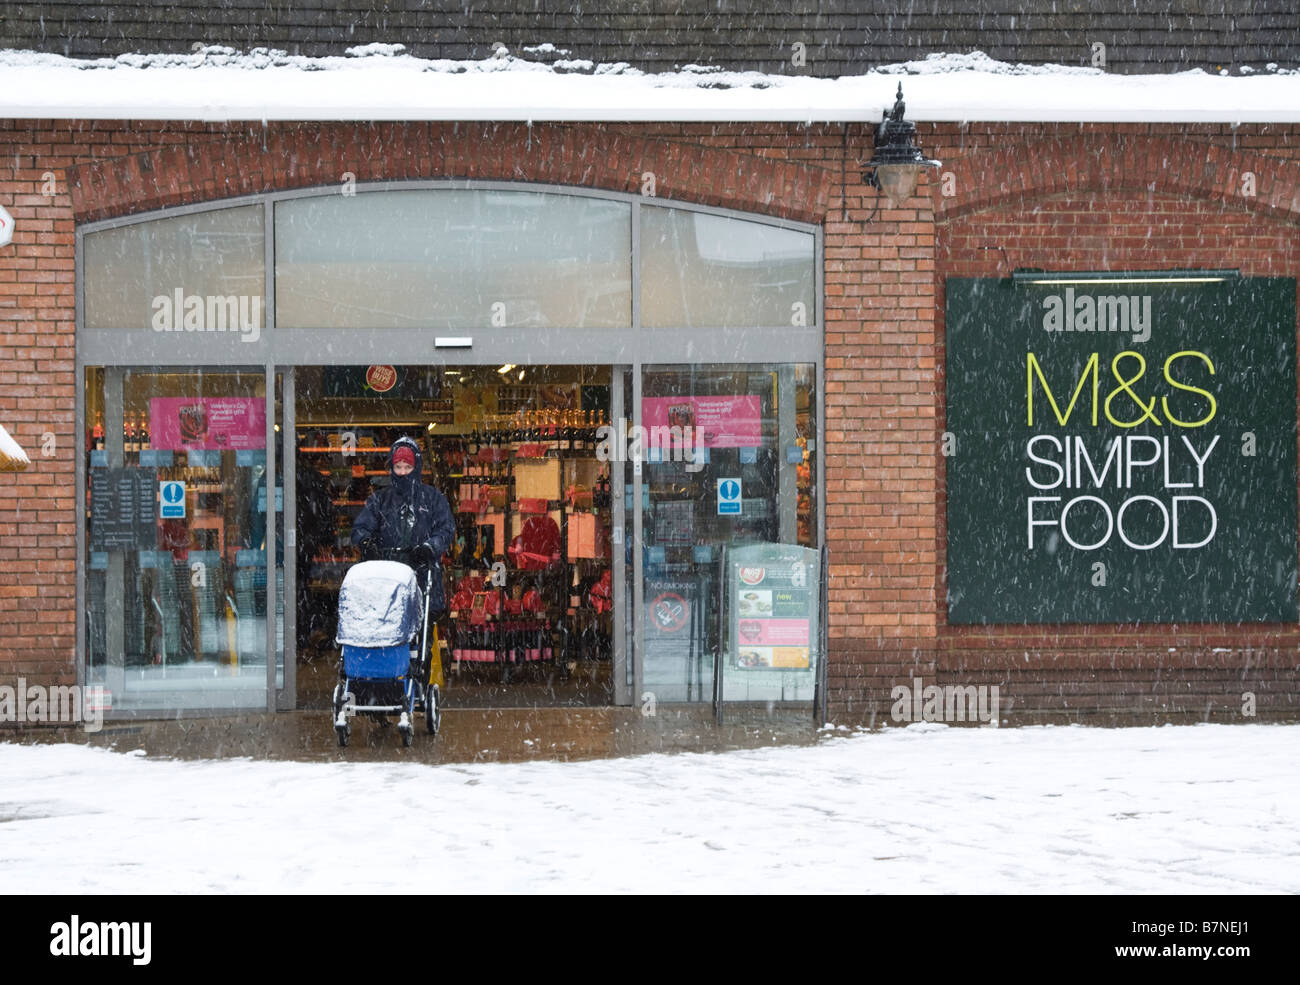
(1121, 452)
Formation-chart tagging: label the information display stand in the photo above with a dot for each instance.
(772, 642)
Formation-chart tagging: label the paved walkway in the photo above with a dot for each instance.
(466, 736)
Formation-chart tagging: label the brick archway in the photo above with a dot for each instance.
(1126, 162)
(297, 156)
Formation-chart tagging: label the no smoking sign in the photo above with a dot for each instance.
(670, 612)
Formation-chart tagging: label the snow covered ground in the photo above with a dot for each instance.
(1200, 809)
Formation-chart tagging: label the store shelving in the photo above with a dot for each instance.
(478, 466)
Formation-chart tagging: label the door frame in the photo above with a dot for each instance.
(281, 350)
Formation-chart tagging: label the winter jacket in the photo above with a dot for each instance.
(408, 513)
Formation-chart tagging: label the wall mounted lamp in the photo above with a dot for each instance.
(897, 163)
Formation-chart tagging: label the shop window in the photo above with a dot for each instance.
(147, 275)
(700, 270)
(731, 461)
(176, 499)
(455, 259)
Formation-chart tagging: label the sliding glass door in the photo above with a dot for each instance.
(729, 457)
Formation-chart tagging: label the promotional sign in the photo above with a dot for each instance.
(217, 423)
(6, 227)
(1121, 452)
(774, 600)
(381, 379)
(727, 422)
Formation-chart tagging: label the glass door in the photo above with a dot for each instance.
(177, 539)
(720, 455)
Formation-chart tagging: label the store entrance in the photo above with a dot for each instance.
(527, 578)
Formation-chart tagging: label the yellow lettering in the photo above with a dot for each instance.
(1032, 368)
(1126, 386)
(1164, 401)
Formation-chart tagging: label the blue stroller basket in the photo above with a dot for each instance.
(383, 632)
(376, 661)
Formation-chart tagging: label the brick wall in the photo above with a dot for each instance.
(1118, 198)
(37, 507)
(1161, 196)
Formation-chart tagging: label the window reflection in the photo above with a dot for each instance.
(700, 270)
(176, 537)
(209, 255)
(453, 259)
(752, 430)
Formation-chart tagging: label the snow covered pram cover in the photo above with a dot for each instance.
(379, 613)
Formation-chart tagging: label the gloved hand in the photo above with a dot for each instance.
(423, 556)
(368, 549)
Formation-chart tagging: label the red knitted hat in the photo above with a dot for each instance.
(404, 453)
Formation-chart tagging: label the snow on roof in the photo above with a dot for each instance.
(12, 457)
(381, 82)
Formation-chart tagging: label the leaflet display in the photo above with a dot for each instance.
(123, 509)
(772, 604)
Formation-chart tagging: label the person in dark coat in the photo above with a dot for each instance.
(408, 522)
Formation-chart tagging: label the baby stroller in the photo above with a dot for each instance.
(381, 609)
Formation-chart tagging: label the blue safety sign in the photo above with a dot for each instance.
(728, 497)
(171, 500)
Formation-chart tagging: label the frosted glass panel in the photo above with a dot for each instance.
(216, 254)
(453, 259)
(708, 271)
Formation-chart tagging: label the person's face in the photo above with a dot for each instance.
(403, 468)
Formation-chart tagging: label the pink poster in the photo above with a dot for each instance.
(774, 632)
(234, 423)
(727, 422)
